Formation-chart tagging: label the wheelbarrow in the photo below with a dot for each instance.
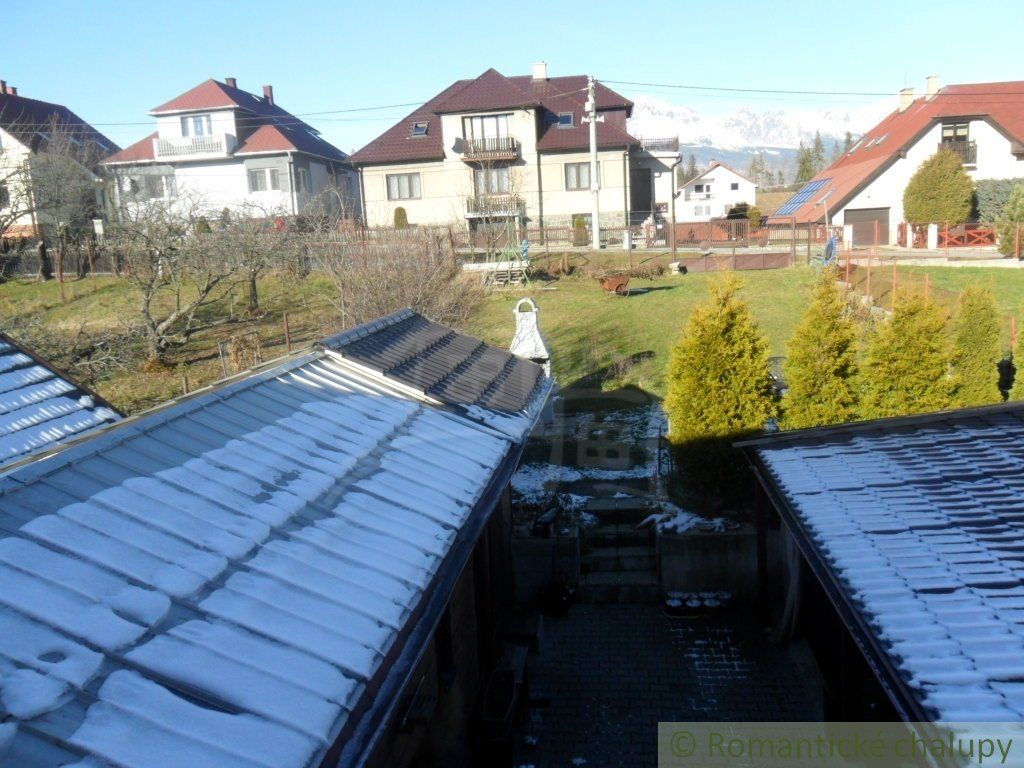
(617, 283)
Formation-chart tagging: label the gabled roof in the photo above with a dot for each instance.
(1002, 104)
(40, 407)
(262, 126)
(242, 577)
(491, 91)
(710, 168)
(915, 526)
(29, 121)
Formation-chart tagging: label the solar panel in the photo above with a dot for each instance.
(801, 197)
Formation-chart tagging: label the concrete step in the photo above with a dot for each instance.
(640, 558)
(619, 587)
(619, 535)
(619, 511)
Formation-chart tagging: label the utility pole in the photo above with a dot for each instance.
(595, 184)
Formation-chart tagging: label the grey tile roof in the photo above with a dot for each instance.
(921, 522)
(39, 406)
(222, 581)
(456, 369)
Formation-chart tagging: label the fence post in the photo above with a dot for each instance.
(287, 334)
(60, 271)
(849, 253)
(868, 284)
(808, 242)
(184, 383)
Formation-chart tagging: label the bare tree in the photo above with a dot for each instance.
(255, 239)
(177, 270)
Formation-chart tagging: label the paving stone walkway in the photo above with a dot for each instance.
(609, 673)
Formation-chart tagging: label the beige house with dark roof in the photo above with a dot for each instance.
(231, 148)
(497, 150)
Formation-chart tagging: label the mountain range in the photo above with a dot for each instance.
(734, 137)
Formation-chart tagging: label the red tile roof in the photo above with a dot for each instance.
(288, 138)
(1002, 104)
(28, 120)
(139, 151)
(492, 90)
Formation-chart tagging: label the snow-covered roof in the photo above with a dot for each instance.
(918, 524)
(39, 406)
(226, 580)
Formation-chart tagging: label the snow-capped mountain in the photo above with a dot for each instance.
(734, 137)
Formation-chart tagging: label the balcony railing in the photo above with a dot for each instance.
(967, 151)
(660, 145)
(192, 145)
(700, 195)
(499, 148)
(495, 205)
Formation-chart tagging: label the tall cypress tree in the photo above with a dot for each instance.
(1017, 391)
(976, 348)
(908, 361)
(821, 362)
(719, 387)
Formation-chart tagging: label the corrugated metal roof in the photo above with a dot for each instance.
(217, 583)
(921, 520)
(39, 406)
(455, 369)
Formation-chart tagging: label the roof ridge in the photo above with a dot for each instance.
(361, 331)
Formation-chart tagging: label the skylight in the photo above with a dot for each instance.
(565, 120)
(420, 128)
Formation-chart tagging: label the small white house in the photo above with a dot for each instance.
(229, 148)
(714, 193)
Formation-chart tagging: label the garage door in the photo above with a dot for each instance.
(864, 221)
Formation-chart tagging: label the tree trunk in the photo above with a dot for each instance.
(45, 265)
(254, 297)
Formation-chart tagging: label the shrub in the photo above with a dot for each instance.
(1007, 225)
(976, 348)
(940, 191)
(579, 231)
(719, 388)
(401, 218)
(1017, 391)
(991, 197)
(908, 361)
(822, 361)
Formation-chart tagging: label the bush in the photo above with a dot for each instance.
(1007, 225)
(822, 361)
(401, 218)
(719, 389)
(579, 231)
(940, 191)
(991, 197)
(908, 361)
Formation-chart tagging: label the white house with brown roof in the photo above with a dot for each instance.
(982, 122)
(499, 149)
(713, 193)
(231, 148)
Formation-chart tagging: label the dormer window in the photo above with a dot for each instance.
(420, 128)
(565, 120)
(196, 125)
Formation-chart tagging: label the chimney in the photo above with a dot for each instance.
(932, 86)
(268, 94)
(540, 70)
(3, 86)
(12, 90)
(906, 98)
(230, 82)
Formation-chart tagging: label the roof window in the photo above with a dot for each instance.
(420, 128)
(565, 120)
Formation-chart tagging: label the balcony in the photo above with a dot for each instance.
(700, 196)
(187, 146)
(967, 151)
(497, 206)
(661, 145)
(499, 148)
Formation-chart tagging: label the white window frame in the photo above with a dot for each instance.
(257, 180)
(573, 175)
(491, 181)
(190, 124)
(571, 122)
(403, 186)
(302, 182)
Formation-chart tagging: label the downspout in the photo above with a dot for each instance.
(362, 195)
(625, 187)
(540, 197)
(674, 193)
(293, 180)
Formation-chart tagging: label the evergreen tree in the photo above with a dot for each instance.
(821, 362)
(847, 142)
(907, 368)
(976, 348)
(804, 164)
(719, 388)
(1007, 225)
(1017, 391)
(836, 152)
(691, 168)
(781, 178)
(939, 192)
(818, 153)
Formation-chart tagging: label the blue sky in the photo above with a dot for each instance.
(113, 61)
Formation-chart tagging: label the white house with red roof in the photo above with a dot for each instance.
(713, 193)
(497, 149)
(230, 148)
(982, 122)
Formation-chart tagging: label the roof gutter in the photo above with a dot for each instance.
(877, 658)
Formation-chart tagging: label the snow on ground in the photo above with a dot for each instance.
(535, 482)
